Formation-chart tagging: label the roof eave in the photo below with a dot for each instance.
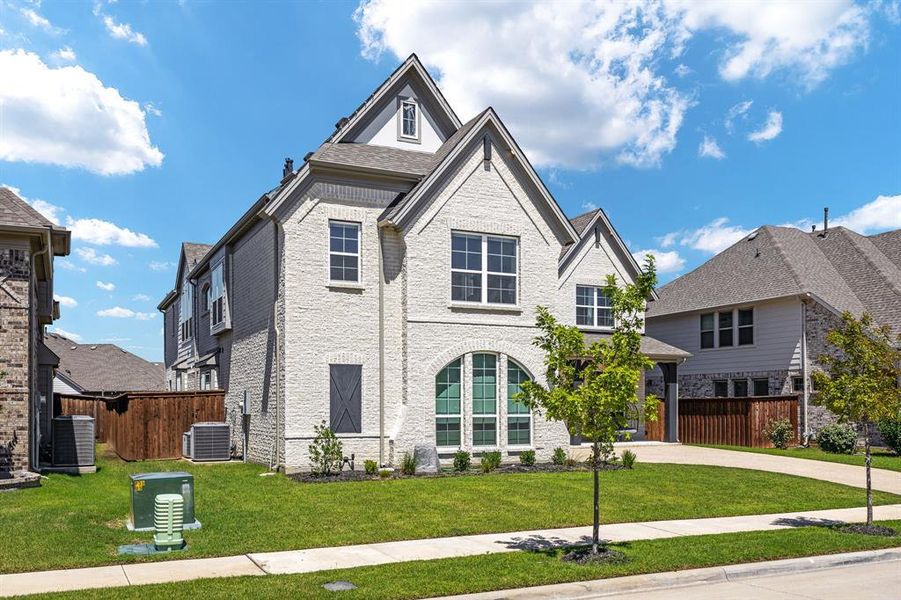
(335, 168)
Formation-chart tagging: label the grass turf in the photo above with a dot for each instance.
(79, 521)
(882, 459)
(422, 579)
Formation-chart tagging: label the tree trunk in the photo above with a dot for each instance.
(866, 447)
(596, 522)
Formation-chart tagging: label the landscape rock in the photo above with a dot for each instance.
(426, 460)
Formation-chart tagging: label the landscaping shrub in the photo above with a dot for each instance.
(462, 460)
(837, 438)
(490, 461)
(891, 434)
(371, 467)
(408, 464)
(527, 458)
(779, 432)
(326, 452)
(628, 459)
(569, 461)
(559, 456)
(385, 473)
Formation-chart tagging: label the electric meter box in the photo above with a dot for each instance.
(145, 487)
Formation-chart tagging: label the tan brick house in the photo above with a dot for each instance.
(28, 244)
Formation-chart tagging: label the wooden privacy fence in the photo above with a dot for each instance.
(146, 425)
(728, 421)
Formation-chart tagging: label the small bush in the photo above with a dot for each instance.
(628, 459)
(385, 473)
(371, 467)
(490, 461)
(571, 462)
(891, 434)
(779, 432)
(559, 456)
(837, 438)
(408, 464)
(527, 458)
(326, 452)
(462, 460)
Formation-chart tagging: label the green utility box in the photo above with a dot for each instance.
(145, 487)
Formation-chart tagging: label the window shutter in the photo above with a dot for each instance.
(345, 398)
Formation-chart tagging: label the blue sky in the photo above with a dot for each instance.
(142, 125)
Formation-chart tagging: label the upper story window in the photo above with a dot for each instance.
(206, 298)
(718, 329)
(344, 251)
(484, 268)
(217, 296)
(409, 119)
(186, 310)
(593, 308)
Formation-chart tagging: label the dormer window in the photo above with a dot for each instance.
(409, 119)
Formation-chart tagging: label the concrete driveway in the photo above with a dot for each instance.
(883, 480)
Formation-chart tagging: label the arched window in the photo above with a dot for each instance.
(519, 419)
(447, 405)
(484, 400)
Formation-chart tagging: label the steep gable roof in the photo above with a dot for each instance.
(16, 212)
(841, 268)
(105, 367)
(582, 221)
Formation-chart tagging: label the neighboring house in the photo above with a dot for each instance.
(755, 316)
(102, 369)
(388, 287)
(28, 244)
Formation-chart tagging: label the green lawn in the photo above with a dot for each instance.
(79, 521)
(422, 579)
(882, 459)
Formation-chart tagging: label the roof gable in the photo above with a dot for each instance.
(104, 367)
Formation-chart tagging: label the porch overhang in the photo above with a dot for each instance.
(653, 348)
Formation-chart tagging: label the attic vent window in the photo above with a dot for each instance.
(409, 119)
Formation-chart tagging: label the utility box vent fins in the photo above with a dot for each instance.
(168, 521)
(209, 441)
(73, 441)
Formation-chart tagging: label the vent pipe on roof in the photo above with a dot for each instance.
(825, 219)
(288, 168)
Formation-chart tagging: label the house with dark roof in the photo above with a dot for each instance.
(28, 245)
(388, 286)
(755, 316)
(101, 369)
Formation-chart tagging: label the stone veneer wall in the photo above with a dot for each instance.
(820, 320)
(701, 385)
(15, 359)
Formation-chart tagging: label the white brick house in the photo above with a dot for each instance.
(388, 287)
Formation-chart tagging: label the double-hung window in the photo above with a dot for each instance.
(519, 419)
(745, 326)
(593, 308)
(186, 310)
(707, 334)
(447, 405)
(409, 119)
(725, 328)
(484, 268)
(484, 400)
(217, 296)
(344, 251)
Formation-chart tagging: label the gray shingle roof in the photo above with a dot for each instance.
(194, 252)
(376, 157)
(105, 367)
(652, 347)
(581, 222)
(18, 213)
(846, 270)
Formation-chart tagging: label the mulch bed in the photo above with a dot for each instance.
(868, 530)
(605, 556)
(358, 475)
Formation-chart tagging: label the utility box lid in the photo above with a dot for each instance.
(145, 487)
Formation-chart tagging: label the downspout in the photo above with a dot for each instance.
(805, 393)
(273, 459)
(381, 275)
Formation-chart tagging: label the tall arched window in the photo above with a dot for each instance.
(484, 400)
(519, 419)
(447, 405)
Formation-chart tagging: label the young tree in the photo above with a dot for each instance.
(860, 381)
(594, 389)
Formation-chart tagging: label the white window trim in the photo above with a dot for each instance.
(497, 413)
(735, 329)
(456, 415)
(416, 137)
(359, 254)
(216, 326)
(484, 272)
(595, 307)
(516, 447)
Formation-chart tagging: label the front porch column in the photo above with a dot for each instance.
(670, 401)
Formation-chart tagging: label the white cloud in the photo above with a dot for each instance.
(66, 334)
(739, 110)
(66, 301)
(35, 18)
(881, 214)
(710, 149)
(682, 70)
(108, 287)
(103, 233)
(588, 205)
(89, 255)
(141, 298)
(65, 53)
(666, 261)
(123, 31)
(151, 108)
(66, 116)
(769, 130)
(669, 240)
(65, 263)
(712, 238)
(160, 265)
(117, 312)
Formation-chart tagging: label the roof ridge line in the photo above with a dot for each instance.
(785, 258)
(885, 279)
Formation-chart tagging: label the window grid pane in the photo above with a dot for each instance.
(484, 431)
(515, 376)
(344, 251)
(447, 431)
(745, 327)
(518, 431)
(447, 390)
(707, 330)
(408, 110)
(585, 311)
(501, 259)
(484, 399)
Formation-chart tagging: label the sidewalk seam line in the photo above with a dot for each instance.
(125, 573)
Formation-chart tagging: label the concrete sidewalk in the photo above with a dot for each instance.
(883, 479)
(320, 559)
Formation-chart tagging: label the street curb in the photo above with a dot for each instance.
(650, 582)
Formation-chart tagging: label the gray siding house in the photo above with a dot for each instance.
(388, 288)
(755, 316)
